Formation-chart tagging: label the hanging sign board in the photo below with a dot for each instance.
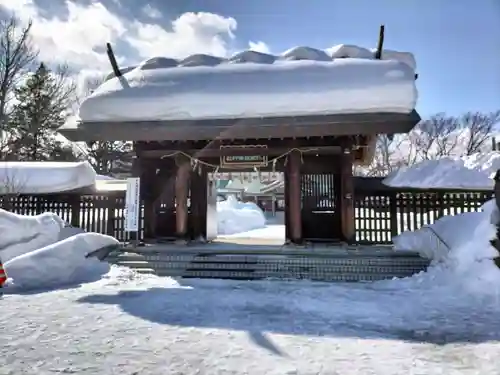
(241, 156)
(132, 204)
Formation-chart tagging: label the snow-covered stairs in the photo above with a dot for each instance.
(355, 264)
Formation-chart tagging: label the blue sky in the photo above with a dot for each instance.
(456, 42)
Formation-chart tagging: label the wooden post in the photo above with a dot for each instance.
(198, 198)
(181, 196)
(111, 207)
(148, 194)
(294, 197)
(347, 196)
(75, 201)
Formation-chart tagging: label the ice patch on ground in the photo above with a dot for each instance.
(235, 216)
(59, 264)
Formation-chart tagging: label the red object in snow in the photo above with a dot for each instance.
(3, 275)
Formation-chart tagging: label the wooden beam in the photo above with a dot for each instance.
(207, 153)
(380, 44)
(248, 129)
(112, 60)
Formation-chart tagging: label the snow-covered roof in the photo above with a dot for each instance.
(45, 177)
(474, 172)
(299, 82)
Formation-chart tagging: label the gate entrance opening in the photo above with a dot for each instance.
(310, 180)
(250, 207)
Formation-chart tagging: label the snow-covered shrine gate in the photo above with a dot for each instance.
(314, 153)
(310, 112)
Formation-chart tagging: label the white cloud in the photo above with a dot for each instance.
(259, 47)
(151, 12)
(191, 33)
(80, 39)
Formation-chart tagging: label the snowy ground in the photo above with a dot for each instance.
(157, 326)
(443, 321)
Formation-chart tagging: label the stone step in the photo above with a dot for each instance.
(271, 267)
(333, 269)
(269, 259)
(241, 275)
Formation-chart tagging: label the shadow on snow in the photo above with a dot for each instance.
(312, 309)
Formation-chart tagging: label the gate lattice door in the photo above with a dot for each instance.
(320, 215)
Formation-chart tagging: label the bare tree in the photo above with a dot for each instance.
(480, 127)
(436, 137)
(106, 157)
(442, 135)
(12, 183)
(391, 153)
(17, 54)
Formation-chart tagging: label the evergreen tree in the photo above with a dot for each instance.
(41, 107)
(110, 158)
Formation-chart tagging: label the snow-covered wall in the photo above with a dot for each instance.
(300, 81)
(474, 172)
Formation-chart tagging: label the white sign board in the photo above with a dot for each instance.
(132, 204)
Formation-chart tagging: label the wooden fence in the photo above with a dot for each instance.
(380, 212)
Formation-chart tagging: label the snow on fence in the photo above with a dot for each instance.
(380, 213)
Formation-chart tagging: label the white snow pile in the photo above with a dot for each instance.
(234, 216)
(300, 81)
(20, 234)
(45, 177)
(36, 255)
(459, 248)
(473, 172)
(61, 263)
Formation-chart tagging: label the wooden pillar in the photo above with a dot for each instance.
(149, 194)
(181, 196)
(198, 198)
(347, 196)
(294, 197)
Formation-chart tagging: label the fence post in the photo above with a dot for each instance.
(111, 208)
(76, 209)
(393, 213)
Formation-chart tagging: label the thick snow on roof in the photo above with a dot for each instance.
(473, 172)
(44, 177)
(301, 81)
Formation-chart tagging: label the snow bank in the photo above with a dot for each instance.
(44, 177)
(467, 257)
(468, 172)
(234, 216)
(20, 234)
(59, 264)
(300, 81)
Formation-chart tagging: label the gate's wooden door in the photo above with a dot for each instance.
(321, 219)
